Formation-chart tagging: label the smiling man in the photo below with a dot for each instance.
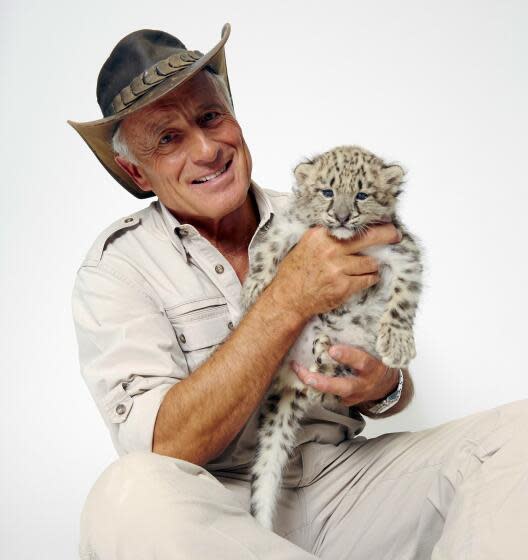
(178, 374)
(189, 149)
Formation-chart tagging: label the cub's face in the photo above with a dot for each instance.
(346, 189)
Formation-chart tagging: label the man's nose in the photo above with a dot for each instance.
(203, 149)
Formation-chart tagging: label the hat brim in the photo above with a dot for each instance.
(98, 134)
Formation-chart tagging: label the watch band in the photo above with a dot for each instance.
(390, 400)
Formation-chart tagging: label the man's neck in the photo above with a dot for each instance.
(231, 235)
(234, 232)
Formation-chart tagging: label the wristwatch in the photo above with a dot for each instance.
(390, 400)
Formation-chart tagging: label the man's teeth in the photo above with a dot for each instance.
(209, 177)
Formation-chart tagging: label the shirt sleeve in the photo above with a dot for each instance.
(128, 352)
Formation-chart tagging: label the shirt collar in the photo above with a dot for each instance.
(175, 227)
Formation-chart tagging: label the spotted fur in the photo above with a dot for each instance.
(379, 319)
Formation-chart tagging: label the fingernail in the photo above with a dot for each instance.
(311, 381)
(335, 352)
(295, 366)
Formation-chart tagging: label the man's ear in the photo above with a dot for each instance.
(134, 172)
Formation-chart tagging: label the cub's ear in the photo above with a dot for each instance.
(393, 176)
(302, 171)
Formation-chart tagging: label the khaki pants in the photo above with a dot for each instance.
(457, 491)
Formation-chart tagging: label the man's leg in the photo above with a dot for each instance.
(454, 492)
(149, 506)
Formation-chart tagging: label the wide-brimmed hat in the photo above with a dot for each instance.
(143, 66)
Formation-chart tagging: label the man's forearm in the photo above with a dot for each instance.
(202, 414)
(405, 399)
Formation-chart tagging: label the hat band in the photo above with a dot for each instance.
(152, 76)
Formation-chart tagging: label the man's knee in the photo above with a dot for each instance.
(141, 490)
(138, 475)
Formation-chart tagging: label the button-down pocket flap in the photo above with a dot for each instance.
(202, 334)
(118, 404)
(200, 326)
(189, 310)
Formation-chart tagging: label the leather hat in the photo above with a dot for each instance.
(143, 66)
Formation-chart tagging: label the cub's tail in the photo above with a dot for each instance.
(280, 418)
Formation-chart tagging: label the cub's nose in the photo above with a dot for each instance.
(342, 217)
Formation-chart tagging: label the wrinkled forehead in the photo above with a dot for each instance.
(184, 103)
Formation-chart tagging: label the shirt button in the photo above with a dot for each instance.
(182, 338)
(219, 269)
(120, 409)
(128, 220)
(230, 325)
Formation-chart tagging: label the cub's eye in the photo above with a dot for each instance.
(327, 193)
(361, 195)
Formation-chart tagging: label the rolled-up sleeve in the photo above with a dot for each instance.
(128, 353)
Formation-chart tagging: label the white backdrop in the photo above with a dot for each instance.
(440, 87)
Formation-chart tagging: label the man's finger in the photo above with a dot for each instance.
(339, 386)
(376, 235)
(352, 356)
(355, 265)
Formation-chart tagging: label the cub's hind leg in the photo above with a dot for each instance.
(326, 365)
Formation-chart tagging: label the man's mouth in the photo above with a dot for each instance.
(212, 176)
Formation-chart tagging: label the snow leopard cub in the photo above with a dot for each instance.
(346, 189)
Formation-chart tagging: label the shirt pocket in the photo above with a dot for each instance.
(200, 327)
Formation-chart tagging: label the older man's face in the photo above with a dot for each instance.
(183, 138)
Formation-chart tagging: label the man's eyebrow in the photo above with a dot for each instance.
(210, 105)
(155, 128)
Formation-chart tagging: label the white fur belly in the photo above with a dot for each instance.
(301, 351)
(358, 326)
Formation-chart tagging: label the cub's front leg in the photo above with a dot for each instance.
(259, 277)
(271, 249)
(395, 341)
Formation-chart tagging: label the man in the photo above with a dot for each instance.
(178, 373)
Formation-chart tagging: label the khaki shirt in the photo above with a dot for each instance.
(151, 301)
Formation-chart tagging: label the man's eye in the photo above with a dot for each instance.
(327, 193)
(210, 116)
(361, 195)
(166, 138)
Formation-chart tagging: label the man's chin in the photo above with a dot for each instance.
(220, 204)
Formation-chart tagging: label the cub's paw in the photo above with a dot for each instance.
(395, 346)
(320, 347)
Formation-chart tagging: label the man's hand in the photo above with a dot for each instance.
(373, 380)
(321, 272)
